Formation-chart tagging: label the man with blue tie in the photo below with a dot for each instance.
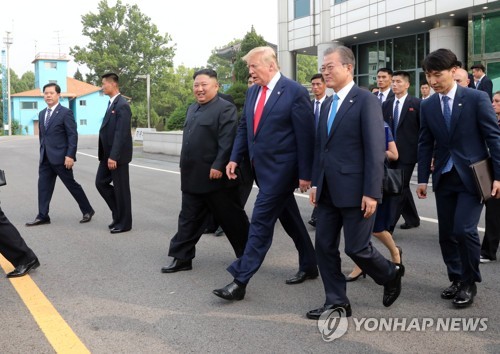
(58, 143)
(458, 127)
(347, 184)
(277, 130)
(318, 88)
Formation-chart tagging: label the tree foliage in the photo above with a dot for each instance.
(123, 40)
(307, 66)
(250, 41)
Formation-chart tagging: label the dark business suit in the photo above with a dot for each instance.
(486, 85)
(208, 137)
(349, 164)
(281, 153)
(473, 130)
(406, 137)
(58, 140)
(115, 142)
(12, 245)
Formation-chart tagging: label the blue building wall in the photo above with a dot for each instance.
(88, 111)
(51, 70)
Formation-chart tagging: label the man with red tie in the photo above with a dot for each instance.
(277, 115)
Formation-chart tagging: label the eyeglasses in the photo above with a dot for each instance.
(329, 67)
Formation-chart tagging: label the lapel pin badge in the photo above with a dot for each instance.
(459, 105)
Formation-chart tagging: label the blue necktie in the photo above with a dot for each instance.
(395, 119)
(333, 112)
(316, 113)
(447, 120)
(381, 97)
(47, 118)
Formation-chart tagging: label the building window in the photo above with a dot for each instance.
(51, 65)
(52, 81)
(302, 8)
(83, 102)
(339, 1)
(29, 105)
(83, 122)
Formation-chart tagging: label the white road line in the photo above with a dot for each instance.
(301, 195)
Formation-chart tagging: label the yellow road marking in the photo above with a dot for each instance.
(58, 333)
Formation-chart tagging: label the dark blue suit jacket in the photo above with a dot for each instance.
(115, 137)
(60, 138)
(474, 130)
(351, 158)
(281, 150)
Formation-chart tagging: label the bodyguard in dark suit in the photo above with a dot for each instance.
(15, 250)
(115, 153)
(58, 143)
(384, 81)
(207, 140)
(277, 130)
(458, 126)
(347, 184)
(404, 124)
(481, 81)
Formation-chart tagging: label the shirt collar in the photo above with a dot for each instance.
(401, 100)
(111, 100)
(344, 91)
(451, 93)
(53, 108)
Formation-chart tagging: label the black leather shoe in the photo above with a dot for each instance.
(112, 225)
(407, 226)
(37, 222)
(24, 269)
(177, 265)
(316, 313)
(451, 291)
(312, 222)
(231, 291)
(300, 277)
(116, 230)
(219, 232)
(465, 296)
(392, 289)
(87, 217)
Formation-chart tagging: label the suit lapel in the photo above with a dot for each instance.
(404, 109)
(323, 117)
(343, 109)
(53, 117)
(435, 101)
(273, 98)
(110, 109)
(458, 104)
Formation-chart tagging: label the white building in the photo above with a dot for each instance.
(391, 33)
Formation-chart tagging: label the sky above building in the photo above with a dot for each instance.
(196, 26)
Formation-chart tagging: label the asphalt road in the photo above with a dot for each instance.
(111, 293)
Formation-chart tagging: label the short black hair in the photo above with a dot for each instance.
(402, 73)
(111, 76)
(439, 60)
(209, 72)
(479, 66)
(424, 83)
(385, 70)
(317, 76)
(50, 84)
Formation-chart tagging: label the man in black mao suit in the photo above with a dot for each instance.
(481, 81)
(15, 250)
(277, 114)
(115, 154)
(58, 143)
(347, 184)
(207, 140)
(458, 127)
(405, 124)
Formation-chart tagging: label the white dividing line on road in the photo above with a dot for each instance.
(140, 166)
(301, 195)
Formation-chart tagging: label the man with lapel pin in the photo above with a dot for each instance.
(401, 113)
(58, 137)
(277, 130)
(458, 127)
(115, 153)
(347, 184)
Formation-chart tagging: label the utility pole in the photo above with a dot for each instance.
(148, 94)
(8, 41)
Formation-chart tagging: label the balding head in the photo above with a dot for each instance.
(461, 77)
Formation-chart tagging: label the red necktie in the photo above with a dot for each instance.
(259, 109)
